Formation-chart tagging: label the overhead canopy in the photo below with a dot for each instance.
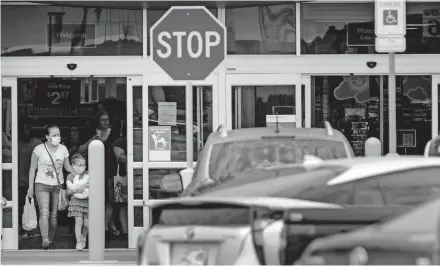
(155, 4)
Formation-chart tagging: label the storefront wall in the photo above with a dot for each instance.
(292, 68)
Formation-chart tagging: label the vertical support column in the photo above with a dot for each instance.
(434, 100)
(392, 104)
(381, 110)
(298, 101)
(187, 173)
(96, 201)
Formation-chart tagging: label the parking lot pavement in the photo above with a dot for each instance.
(66, 257)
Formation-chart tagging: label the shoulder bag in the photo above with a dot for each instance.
(63, 200)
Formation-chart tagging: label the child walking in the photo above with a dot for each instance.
(78, 189)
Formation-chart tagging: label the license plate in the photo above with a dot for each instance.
(195, 257)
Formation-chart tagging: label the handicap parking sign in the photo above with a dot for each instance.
(390, 17)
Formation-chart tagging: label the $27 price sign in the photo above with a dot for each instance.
(58, 93)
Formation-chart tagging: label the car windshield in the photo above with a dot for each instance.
(237, 157)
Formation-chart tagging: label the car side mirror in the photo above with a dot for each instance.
(171, 183)
(4, 202)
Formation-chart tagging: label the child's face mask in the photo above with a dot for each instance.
(79, 169)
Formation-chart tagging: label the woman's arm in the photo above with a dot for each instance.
(120, 154)
(83, 148)
(67, 166)
(32, 169)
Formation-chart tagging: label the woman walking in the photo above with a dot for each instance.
(48, 160)
(108, 135)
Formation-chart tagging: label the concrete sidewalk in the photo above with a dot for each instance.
(66, 257)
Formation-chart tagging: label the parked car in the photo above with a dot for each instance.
(230, 152)
(408, 239)
(302, 227)
(385, 185)
(215, 231)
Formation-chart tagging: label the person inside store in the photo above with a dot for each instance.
(120, 152)
(46, 177)
(108, 135)
(26, 145)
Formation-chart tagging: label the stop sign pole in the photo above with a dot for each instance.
(188, 43)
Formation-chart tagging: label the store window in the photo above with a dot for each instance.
(51, 30)
(423, 28)
(6, 116)
(350, 104)
(154, 15)
(337, 28)
(413, 114)
(261, 29)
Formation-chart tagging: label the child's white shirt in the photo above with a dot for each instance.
(76, 183)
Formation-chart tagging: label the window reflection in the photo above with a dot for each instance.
(261, 29)
(167, 121)
(157, 176)
(350, 104)
(6, 118)
(423, 30)
(25, 31)
(337, 28)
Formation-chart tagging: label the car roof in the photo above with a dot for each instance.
(363, 167)
(259, 132)
(337, 171)
(271, 202)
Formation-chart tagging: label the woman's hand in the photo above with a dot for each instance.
(30, 192)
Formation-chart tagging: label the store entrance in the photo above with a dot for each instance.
(82, 108)
(261, 100)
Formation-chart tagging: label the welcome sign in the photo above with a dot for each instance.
(360, 34)
(71, 35)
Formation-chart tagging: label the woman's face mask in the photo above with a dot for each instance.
(79, 169)
(55, 140)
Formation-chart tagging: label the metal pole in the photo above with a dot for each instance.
(392, 104)
(189, 125)
(187, 173)
(96, 201)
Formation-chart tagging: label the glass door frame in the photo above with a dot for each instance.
(10, 235)
(164, 80)
(263, 80)
(133, 232)
(435, 82)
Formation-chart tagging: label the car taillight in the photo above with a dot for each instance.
(258, 227)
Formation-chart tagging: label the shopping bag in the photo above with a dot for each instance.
(120, 187)
(29, 218)
(63, 200)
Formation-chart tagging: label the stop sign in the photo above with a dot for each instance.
(188, 42)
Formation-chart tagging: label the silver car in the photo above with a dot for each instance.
(217, 231)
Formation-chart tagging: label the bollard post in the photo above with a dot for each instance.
(373, 147)
(96, 200)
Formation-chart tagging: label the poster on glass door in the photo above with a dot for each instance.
(287, 121)
(159, 143)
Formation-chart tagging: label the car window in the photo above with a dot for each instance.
(411, 187)
(338, 194)
(367, 192)
(235, 157)
(425, 218)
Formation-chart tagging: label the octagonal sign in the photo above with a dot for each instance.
(188, 43)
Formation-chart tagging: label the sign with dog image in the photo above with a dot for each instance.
(160, 143)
